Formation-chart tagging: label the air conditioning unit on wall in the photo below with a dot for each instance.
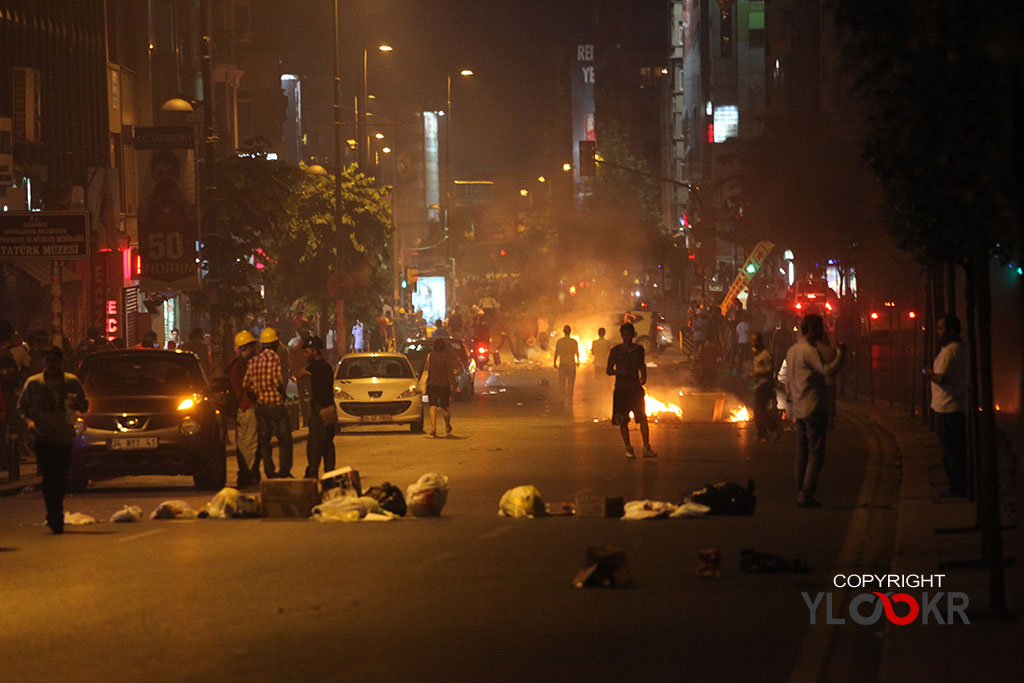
(27, 121)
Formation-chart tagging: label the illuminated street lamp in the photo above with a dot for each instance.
(448, 148)
(364, 141)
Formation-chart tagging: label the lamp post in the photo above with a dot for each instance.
(363, 143)
(342, 337)
(448, 180)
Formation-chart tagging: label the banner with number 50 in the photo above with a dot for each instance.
(168, 220)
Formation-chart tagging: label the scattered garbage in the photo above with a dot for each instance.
(765, 563)
(229, 503)
(426, 498)
(494, 380)
(522, 501)
(173, 509)
(588, 504)
(129, 513)
(710, 566)
(606, 568)
(78, 518)
(288, 497)
(350, 509)
(390, 498)
(656, 509)
(725, 498)
(560, 509)
(341, 482)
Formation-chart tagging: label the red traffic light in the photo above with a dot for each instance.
(911, 315)
(874, 316)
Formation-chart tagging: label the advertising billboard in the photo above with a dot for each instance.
(429, 297)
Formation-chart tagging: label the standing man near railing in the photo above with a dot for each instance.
(948, 376)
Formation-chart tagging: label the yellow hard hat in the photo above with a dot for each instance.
(268, 336)
(244, 337)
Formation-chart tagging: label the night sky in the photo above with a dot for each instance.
(516, 49)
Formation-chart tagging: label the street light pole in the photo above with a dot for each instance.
(342, 338)
(361, 132)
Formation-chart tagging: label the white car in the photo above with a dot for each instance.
(377, 388)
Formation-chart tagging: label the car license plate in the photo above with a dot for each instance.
(133, 443)
(376, 418)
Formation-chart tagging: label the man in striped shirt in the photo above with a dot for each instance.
(264, 377)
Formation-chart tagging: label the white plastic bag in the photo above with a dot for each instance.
(230, 502)
(173, 509)
(347, 509)
(647, 509)
(522, 501)
(129, 513)
(78, 518)
(690, 509)
(426, 498)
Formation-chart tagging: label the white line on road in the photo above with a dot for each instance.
(496, 531)
(436, 559)
(140, 535)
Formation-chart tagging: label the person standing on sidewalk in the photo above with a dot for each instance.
(808, 397)
(948, 376)
(49, 404)
(626, 362)
(567, 358)
(264, 377)
(246, 432)
(764, 388)
(323, 416)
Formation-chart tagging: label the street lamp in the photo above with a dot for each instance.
(361, 123)
(448, 148)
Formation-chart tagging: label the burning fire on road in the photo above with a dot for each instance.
(740, 414)
(656, 408)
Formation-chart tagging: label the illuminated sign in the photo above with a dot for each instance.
(429, 297)
(727, 122)
(113, 323)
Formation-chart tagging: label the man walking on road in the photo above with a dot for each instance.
(948, 376)
(49, 404)
(264, 377)
(567, 358)
(246, 431)
(808, 397)
(599, 349)
(764, 388)
(323, 416)
(626, 361)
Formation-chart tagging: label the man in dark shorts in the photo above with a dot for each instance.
(440, 371)
(626, 362)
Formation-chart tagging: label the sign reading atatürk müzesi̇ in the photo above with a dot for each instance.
(44, 235)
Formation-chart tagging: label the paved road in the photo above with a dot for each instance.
(468, 596)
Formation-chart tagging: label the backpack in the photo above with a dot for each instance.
(389, 496)
(725, 498)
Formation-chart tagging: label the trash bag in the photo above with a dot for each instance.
(348, 509)
(765, 563)
(647, 509)
(78, 518)
(229, 503)
(690, 509)
(426, 498)
(173, 509)
(390, 498)
(725, 498)
(129, 513)
(522, 501)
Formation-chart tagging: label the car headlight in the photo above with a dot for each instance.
(186, 404)
(340, 393)
(190, 426)
(411, 392)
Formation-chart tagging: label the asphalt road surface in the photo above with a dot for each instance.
(469, 596)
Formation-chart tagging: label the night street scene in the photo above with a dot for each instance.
(549, 340)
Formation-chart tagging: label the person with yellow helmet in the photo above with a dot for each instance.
(242, 409)
(264, 377)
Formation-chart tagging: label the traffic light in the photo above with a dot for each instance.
(588, 165)
(411, 275)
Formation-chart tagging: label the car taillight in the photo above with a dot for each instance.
(828, 306)
(812, 296)
(482, 349)
(799, 306)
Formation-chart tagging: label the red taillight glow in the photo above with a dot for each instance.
(482, 349)
(828, 306)
(911, 315)
(812, 296)
(874, 316)
(799, 306)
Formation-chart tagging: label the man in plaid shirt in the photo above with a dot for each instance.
(264, 377)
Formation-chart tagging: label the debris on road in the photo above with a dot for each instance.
(229, 503)
(78, 518)
(350, 509)
(390, 498)
(560, 509)
(710, 566)
(129, 513)
(765, 563)
(173, 509)
(656, 509)
(725, 498)
(522, 501)
(288, 497)
(606, 568)
(588, 504)
(342, 482)
(426, 498)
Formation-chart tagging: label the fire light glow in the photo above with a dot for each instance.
(655, 407)
(740, 414)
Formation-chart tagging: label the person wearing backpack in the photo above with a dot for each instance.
(241, 406)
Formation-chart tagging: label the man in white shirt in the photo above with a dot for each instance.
(948, 376)
(808, 399)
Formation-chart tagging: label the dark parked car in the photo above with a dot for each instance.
(150, 412)
(416, 351)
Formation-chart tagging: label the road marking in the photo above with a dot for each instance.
(495, 532)
(436, 559)
(140, 535)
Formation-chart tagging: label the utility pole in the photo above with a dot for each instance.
(210, 239)
(342, 337)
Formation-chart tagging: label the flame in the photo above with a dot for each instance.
(740, 414)
(655, 407)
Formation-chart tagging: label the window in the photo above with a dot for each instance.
(755, 30)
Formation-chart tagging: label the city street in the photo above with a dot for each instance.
(470, 595)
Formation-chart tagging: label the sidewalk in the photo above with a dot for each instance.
(938, 536)
(31, 480)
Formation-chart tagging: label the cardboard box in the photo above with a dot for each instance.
(288, 497)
